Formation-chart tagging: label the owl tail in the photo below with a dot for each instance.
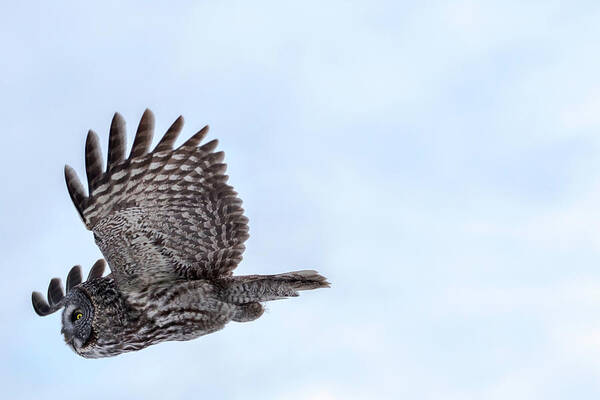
(301, 280)
(260, 288)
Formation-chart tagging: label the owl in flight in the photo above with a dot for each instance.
(172, 231)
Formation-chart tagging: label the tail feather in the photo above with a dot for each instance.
(260, 288)
(306, 279)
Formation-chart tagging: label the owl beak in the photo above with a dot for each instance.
(68, 336)
(70, 341)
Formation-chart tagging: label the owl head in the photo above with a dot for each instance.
(78, 307)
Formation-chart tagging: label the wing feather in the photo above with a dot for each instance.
(75, 189)
(97, 270)
(210, 146)
(74, 278)
(117, 141)
(197, 138)
(164, 215)
(93, 159)
(167, 141)
(143, 136)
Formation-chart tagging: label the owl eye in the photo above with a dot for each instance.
(77, 314)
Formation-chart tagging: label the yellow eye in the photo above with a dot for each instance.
(76, 315)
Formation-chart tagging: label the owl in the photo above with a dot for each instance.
(172, 231)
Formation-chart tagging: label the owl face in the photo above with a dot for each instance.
(77, 318)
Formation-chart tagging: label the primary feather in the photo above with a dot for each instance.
(162, 215)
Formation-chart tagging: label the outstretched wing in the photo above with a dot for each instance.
(164, 215)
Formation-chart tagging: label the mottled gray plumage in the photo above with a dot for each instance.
(172, 231)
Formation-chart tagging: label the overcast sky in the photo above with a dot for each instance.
(438, 161)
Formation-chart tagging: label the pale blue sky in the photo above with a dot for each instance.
(438, 161)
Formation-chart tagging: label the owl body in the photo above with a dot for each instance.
(172, 231)
(179, 311)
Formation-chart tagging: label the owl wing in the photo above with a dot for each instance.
(161, 215)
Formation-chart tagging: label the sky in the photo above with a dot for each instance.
(438, 161)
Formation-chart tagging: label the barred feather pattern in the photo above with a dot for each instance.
(172, 231)
(181, 311)
(162, 215)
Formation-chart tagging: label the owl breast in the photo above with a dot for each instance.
(183, 310)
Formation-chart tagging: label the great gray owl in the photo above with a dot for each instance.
(172, 231)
